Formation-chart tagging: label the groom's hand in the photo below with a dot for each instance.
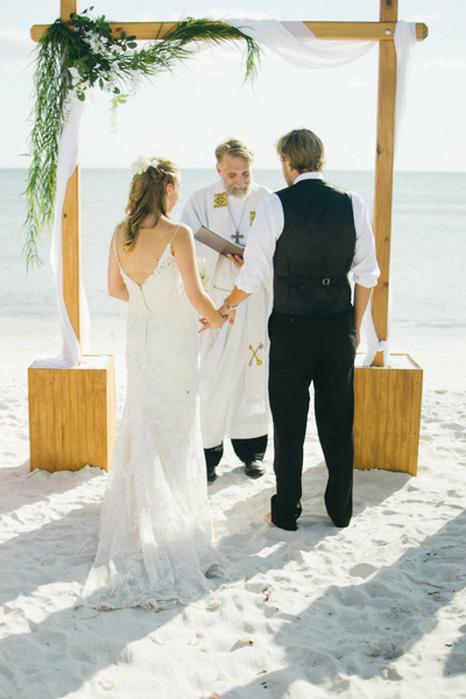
(229, 313)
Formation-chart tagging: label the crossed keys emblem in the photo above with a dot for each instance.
(259, 361)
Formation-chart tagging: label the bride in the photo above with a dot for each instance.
(154, 546)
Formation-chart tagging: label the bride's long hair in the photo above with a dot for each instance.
(147, 196)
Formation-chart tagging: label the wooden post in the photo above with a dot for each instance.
(72, 411)
(387, 400)
(71, 226)
(383, 190)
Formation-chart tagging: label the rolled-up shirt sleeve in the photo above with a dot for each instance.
(260, 248)
(364, 266)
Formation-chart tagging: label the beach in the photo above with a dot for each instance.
(374, 610)
(377, 609)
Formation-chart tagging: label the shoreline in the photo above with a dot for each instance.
(438, 351)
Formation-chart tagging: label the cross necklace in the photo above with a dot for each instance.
(237, 235)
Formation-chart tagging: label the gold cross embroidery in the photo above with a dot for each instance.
(252, 216)
(220, 200)
(259, 361)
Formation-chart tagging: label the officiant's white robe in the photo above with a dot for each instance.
(234, 360)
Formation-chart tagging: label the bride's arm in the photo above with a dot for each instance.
(185, 256)
(115, 282)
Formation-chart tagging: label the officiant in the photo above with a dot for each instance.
(234, 360)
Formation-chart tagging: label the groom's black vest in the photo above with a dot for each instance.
(314, 252)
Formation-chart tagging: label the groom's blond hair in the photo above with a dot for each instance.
(303, 149)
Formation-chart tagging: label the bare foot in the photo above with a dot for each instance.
(268, 519)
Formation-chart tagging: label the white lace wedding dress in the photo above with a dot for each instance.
(154, 546)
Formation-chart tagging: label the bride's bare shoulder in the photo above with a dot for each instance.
(184, 235)
(118, 232)
(184, 230)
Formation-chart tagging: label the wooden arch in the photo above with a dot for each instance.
(383, 32)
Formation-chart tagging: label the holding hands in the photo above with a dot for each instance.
(224, 314)
(228, 313)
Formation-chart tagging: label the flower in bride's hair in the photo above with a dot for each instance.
(140, 165)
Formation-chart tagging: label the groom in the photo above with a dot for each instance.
(315, 234)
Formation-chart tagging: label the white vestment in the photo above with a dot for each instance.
(234, 360)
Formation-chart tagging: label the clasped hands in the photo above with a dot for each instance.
(228, 314)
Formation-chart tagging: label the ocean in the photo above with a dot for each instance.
(428, 252)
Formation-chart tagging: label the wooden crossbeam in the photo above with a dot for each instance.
(350, 31)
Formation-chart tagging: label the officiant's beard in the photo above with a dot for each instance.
(240, 193)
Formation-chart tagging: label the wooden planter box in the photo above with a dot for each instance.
(72, 421)
(387, 415)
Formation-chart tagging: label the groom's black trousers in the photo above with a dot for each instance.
(318, 348)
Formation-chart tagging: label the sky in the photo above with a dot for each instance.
(185, 114)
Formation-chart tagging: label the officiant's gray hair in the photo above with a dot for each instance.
(235, 148)
(303, 149)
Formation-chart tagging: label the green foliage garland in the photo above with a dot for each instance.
(78, 55)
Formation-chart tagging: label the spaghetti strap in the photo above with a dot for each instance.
(173, 236)
(116, 253)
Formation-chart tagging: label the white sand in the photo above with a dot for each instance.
(377, 610)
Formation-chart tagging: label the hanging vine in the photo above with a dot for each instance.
(75, 56)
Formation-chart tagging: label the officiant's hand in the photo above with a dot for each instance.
(236, 259)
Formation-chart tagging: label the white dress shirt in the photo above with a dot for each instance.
(268, 226)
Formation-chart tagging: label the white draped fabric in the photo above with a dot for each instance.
(405, 40)
(294, 42)
(68, 156)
